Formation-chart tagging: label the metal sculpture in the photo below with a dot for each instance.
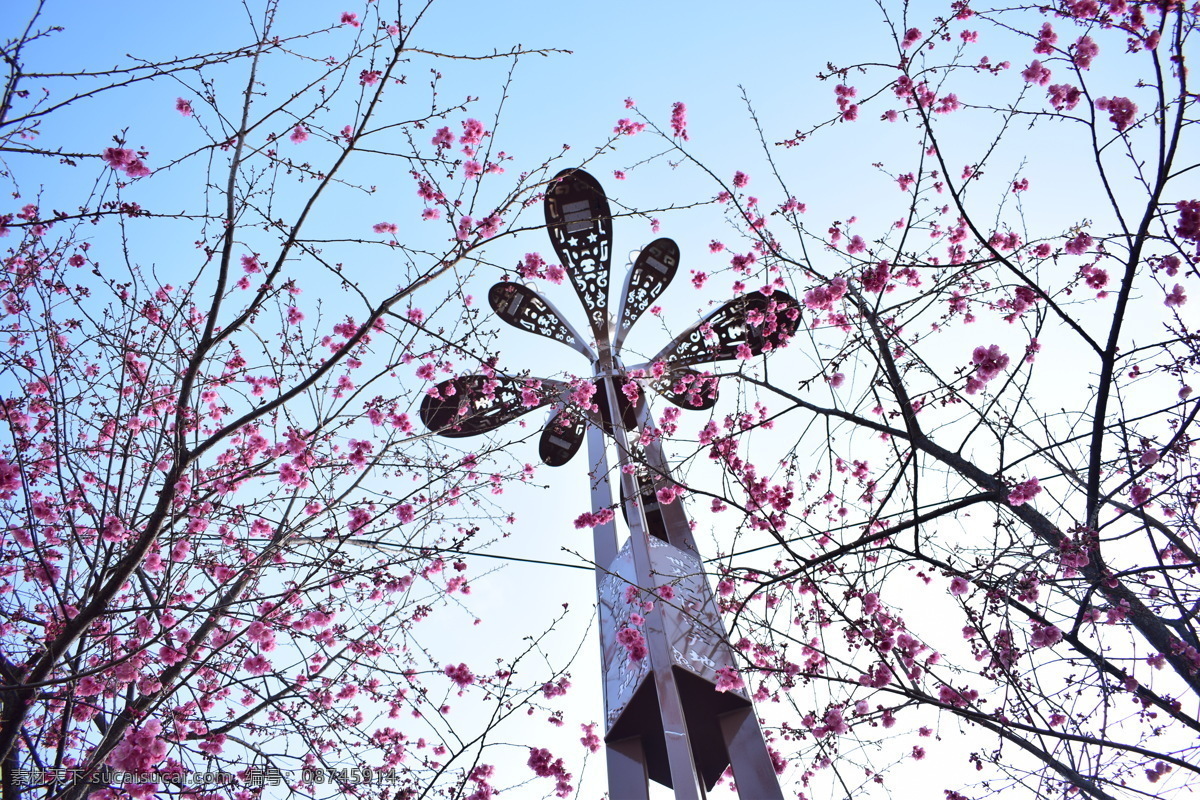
(673, 714)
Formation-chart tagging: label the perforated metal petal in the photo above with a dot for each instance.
(688, 389)
(757, 321)
(523, 308)
(473, 404)
(580, 228)
(653, 270)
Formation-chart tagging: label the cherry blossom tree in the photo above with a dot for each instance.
(962, 499)
(223, 526)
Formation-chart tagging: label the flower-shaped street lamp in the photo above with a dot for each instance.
(676, 710)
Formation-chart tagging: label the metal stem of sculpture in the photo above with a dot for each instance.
(666, 719)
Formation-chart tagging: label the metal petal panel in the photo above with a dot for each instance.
(523, 308)
(561, 438)
(652, 272)
(688, 389)
(473, 404)
(580, 227)
(752, 319)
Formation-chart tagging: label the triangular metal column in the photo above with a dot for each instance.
(665, 719)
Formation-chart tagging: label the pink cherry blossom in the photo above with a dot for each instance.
(1187, 227)
(1036, 73)
(1121, 111)
(823, 298)
(1085, 51)
(10, 479)
(544, 765)
(258, 664)
(473, 132)
(489, 226)
(1044, 636)
(1024, 492)
(461, 675)
(141, 749)
(592, 519)
(590, 739)
(729, 680)
(955, 697)
(875, 278)
(679, 121)
(1082, 9)
(1079, 244)
(627, 127)
(634, 643)
(118, 158)
(989, 362)
(834, 723)
(126, 161)
(668, 494)
(1045, 40)
(947, 104)
(1095, 277)
(463, 231)
(1063, 96)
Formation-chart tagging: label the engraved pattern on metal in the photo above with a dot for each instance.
(561, 438)
(523, 308)
(580, 227)
(752, 319)
(622, 675)
(473, 404)
(653, 270)
(693, 625)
